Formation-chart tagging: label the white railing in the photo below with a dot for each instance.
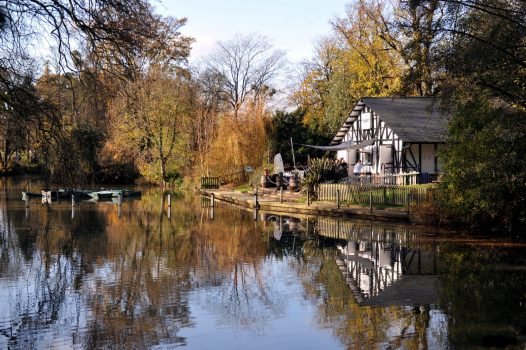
(386, 179)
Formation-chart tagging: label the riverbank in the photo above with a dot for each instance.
(292, 203)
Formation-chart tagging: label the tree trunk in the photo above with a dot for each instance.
(163, 171)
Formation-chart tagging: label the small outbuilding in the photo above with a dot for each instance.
(393, 135)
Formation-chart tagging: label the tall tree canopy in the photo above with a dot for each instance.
(93, 43)
(355, 61)
(247, 66)
(485, 65)
(151, 124)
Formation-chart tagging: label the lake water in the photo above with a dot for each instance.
(146, 276)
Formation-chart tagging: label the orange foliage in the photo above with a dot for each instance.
(242, 141)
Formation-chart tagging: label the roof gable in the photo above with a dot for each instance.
(413, 119)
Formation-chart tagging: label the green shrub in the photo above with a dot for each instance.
(322, 170)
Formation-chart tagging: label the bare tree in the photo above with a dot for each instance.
(210, 104)
(248, 65)
(119, 36)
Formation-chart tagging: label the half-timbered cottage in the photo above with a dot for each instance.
(393, 135)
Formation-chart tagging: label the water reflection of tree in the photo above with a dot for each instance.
(49, 268)
(155, 263)
(493, 314)
(142, 299)
(69, 290)
(106, 278)
(126, 280)
(233, 249)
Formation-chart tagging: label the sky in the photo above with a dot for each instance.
(291, 25)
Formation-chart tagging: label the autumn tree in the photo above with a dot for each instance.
(354, 62)
(152, 120)
(99, 46)
(319, 78)
(234, 146)
(232, 89)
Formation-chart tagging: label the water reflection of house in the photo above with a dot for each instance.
(385, 265)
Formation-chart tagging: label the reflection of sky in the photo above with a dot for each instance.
(286, 321)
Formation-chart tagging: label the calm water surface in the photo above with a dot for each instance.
(144, 276)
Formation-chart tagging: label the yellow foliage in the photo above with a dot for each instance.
(241, 141)
(151, 125)
(355, 62)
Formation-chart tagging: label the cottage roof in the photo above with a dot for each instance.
(413, 119)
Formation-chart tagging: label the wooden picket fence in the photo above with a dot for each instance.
(210, 182)
(214, 182)
(389, 195)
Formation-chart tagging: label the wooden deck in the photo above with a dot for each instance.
(270, 201)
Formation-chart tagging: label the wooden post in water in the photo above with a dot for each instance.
(213, 200)
(27, 201)
(72, 206)
(119, 204)
(169, 210)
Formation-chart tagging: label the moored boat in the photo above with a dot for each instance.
(106, 194)
(27, 195)
(81, 194)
